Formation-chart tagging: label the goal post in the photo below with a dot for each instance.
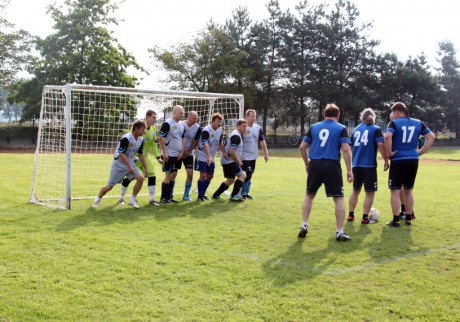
(81, 125)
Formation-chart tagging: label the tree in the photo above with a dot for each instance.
(82, 51)
(450, 80)
(15, 48)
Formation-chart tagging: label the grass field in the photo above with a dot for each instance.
(223, 261)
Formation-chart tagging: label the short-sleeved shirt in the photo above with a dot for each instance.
(212, 138)
(192, 133)
(151, 142)
(251, 138)
(234, 141)
(364, 141)
(172, 132)
(325, 139)
(129, 146)
(406, 132)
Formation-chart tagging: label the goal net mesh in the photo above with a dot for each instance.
(80, 127)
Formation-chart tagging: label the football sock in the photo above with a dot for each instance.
(188, 185)
(244, 188)
(351, 213)
(403, 208)
(164, 190)
(171, 189)
(305, 223)
(123, 190)
(206, 185)
(248, 188)
(152, 192)
(338, 231)
(396, 218)
(236, 187)
(221, 189)
(201, 185)
(365, 216)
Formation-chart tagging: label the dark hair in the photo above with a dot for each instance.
(400, 107)
(217, 116)
(331, 110)
(241, 121)
(138, 125)
(150, 113)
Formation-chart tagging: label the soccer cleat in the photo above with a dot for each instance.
(121, 202)
(216, 197)
(165, 201)
(200, 199)
(351, 218)
(133, 203)
(303, 231)
(408, 222)
(342, 237)
(393, 223)
(206, 198)
(248, 197)
(96, 203)
(365, 221)
(186, 198)
(172, 200)
(236, 198)
(154, 203)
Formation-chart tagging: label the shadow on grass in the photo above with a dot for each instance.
(115, 214)
(302, 261)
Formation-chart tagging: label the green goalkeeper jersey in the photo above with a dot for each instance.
(151, 142)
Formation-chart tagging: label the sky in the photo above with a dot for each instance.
(404, 27)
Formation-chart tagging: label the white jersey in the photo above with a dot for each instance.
(191, 134)
(129, 146)
(251, 138)
(172, 132)
(234, 141)
(212, 138)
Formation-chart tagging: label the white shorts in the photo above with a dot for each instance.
(117, 174)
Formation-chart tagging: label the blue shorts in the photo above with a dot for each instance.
(202, 166)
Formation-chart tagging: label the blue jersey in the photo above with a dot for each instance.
(364, 142)
(406, 132)
(325, 139)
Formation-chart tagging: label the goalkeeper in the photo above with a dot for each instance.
(150, 145)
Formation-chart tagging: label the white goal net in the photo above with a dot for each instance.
(80, 127)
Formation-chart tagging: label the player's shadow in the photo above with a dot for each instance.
(393, 243)
(300, 262)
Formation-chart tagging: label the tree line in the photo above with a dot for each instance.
(289, 65)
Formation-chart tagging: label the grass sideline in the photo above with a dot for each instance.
(225, 261)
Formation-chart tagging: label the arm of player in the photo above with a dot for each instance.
(164, 152)
(142, 159)
(346, 150)
(429, 139)
(125, 160)
(263, 144)
(383, 153)
(235, 157)
(389, 145)
(208, 153)
(182, 152)
(303, 152)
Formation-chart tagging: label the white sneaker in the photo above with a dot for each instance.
(133, 203)
(96, 202)
(121, 202)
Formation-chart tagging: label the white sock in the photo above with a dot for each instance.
(305, 223)
(123, 192)
(152, 192)
(338, 231)
(133, 198)
(97, 198)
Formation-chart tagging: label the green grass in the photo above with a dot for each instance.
(225, 261)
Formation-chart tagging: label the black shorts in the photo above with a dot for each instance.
(172, 165)
(402, 174)
(188, 162)
(328, 172)
(368, 176)
(249, 165)
(231, 170)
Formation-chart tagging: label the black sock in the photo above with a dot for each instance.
(236, 187)
(164, 190)
(396, 218)
(403, 208)
(365, 216)
(171, 190)
(221, 189)
(351, 213)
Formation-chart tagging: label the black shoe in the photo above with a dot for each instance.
(172, 200)
(408, 222)
(351, 218)
(206, 198)
(248, 197)
(393, 223)
(165, 200)
(303, 232)
(342, 237)
(200, 199)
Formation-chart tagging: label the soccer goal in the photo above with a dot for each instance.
(81, 125)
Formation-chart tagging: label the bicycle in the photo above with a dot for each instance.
(295, 139)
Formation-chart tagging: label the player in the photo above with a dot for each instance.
(192, 134)
(251, 139)
(210, 141)
(401, 140)
(150, 144)
(231, 163)
(172, 142)
(366, 139)
(325, 140)
(123, 164)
